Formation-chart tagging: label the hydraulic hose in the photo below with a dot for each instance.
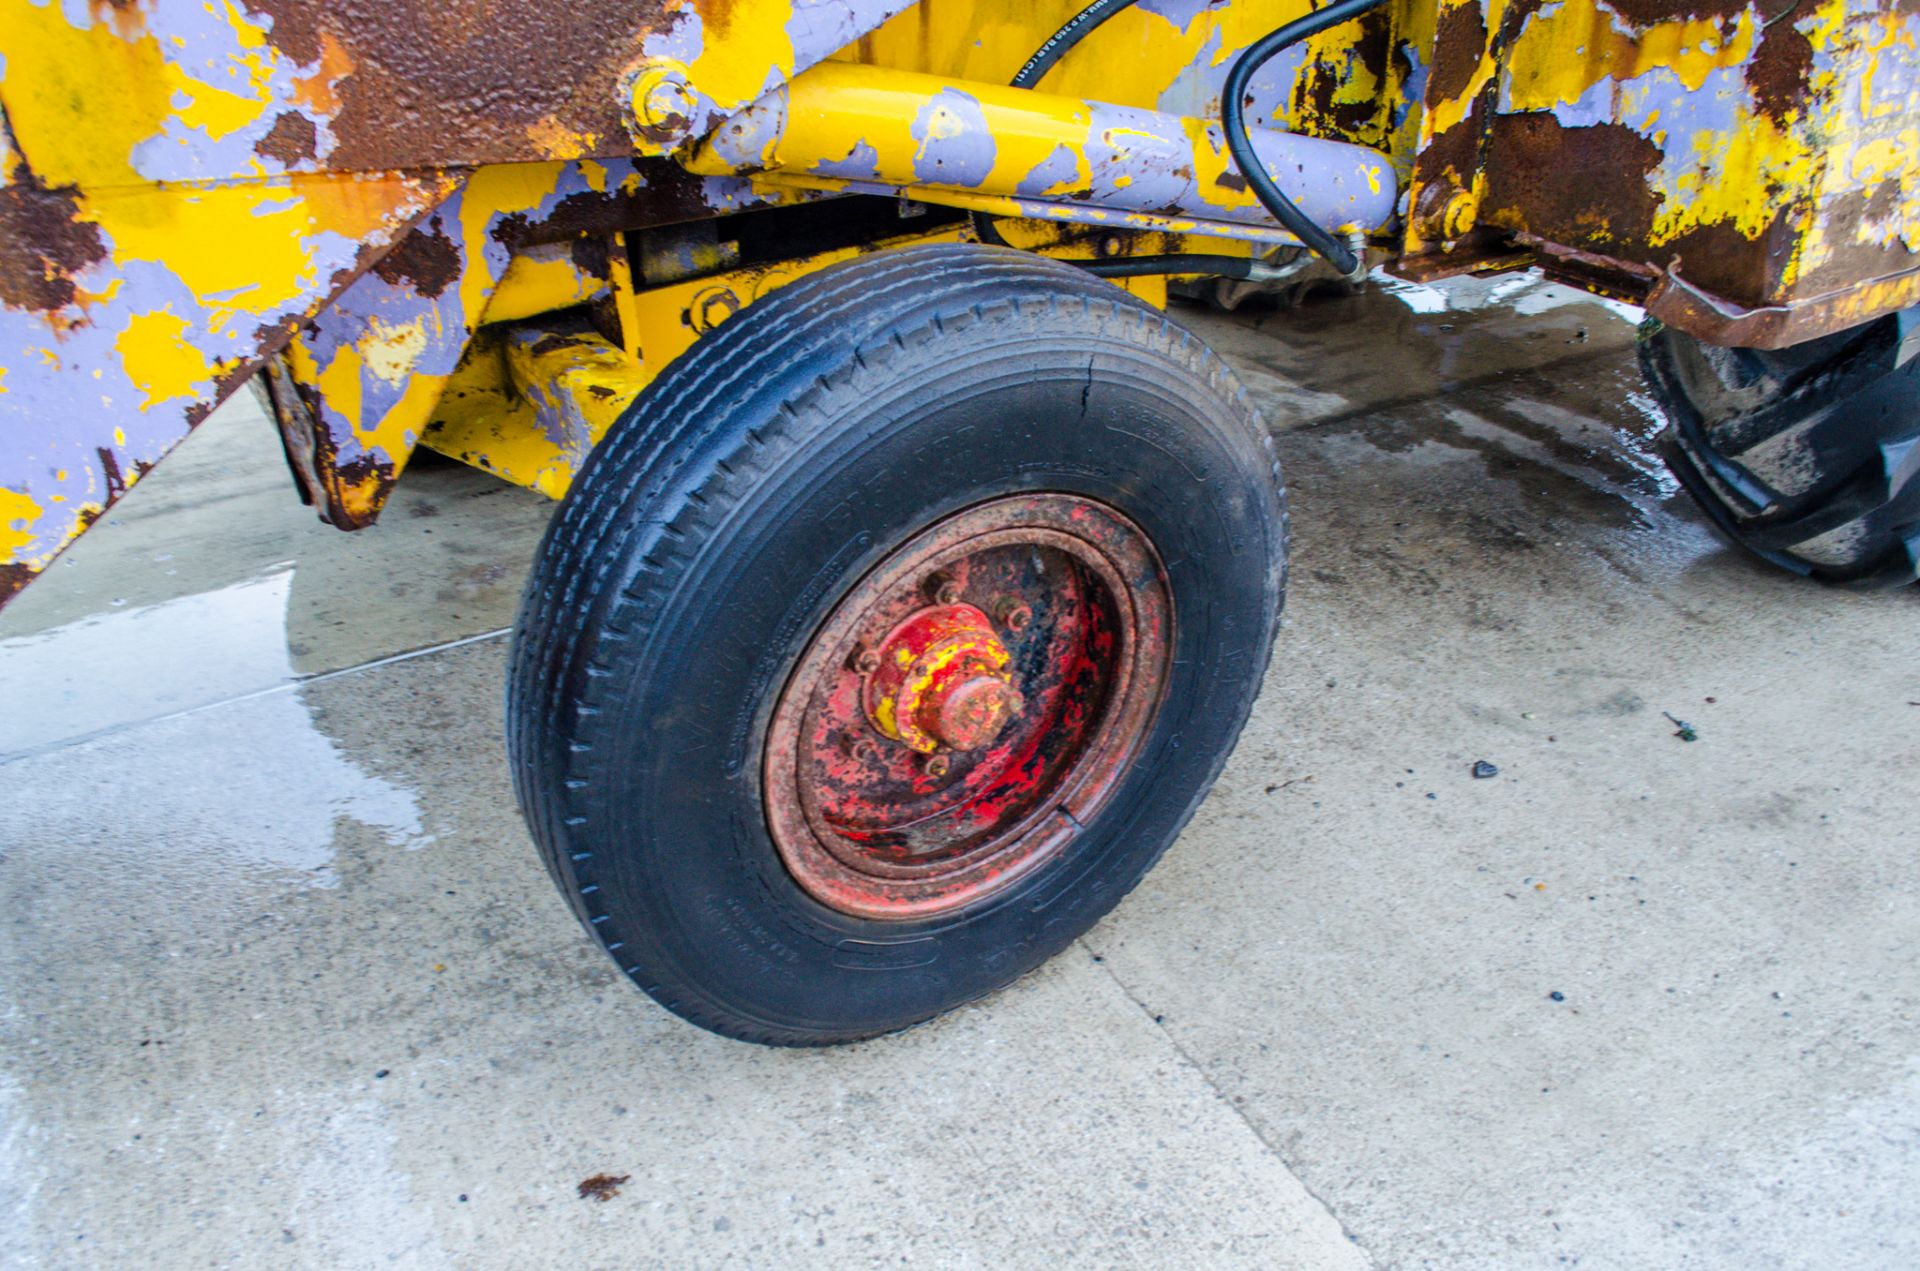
(1075, 29)
(1178, 263)
(1239, 144)
(1233, 122)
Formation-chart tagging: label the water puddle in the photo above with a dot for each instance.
(127, 665)
(187, 711)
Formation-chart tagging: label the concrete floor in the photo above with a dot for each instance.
(282, 983)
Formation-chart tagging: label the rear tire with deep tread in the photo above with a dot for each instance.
(748, 489)
(1809, 457)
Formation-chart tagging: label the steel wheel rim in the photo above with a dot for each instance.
(969, 705)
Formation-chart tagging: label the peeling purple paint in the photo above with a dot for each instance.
(1135, 160)
(1059, 168)
(815, 29)
(78, 427)
(746, 139)
(1179, 13)
(956, 146)
(862, 163)
(1196, 90)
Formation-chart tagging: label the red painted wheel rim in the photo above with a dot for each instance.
(968, 707)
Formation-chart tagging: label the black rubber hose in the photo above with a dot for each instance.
(1233, 122)
(1172, 263)
(1077, 28)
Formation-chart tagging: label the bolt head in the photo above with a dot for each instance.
(944, 589)
(1014, 615)
(936, 766)
(865, 661)
(665, 98)
(971, 714)
(669, 98)
(1462, 213)
(863, 751)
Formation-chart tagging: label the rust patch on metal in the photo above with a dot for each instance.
(1527, 161)
(110, 470)
(470, 83)
(348, 494)
(1457, 46)
(42, 243)
(291, 140)
(1645, 13)
(1445, 168)
(1318, 108)
(13, 577)
(1718, 257)
(1778, 73)
(1847, 262)
(426, 259)
(592, 253)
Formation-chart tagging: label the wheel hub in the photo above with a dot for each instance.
(942, 680)
(963, 711)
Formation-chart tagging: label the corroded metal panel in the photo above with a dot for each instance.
(1733, 158)
(184, 184)
(372, 367)
(124, 314)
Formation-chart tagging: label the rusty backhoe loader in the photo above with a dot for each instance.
(913, 573)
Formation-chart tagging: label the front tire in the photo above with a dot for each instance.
(950, 443)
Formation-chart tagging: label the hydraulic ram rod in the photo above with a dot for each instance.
(928, 134)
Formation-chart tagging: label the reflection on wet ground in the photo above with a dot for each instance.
(445, 561)
(282, 982)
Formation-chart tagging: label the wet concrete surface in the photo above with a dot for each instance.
(282, 983)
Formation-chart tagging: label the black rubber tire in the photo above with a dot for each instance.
(743, 494)
(1809, 457)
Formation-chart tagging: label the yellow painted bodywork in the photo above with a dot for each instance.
(531, 417)
(176, 209)
(889, 118)
(1170, 58)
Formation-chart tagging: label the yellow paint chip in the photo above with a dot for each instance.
(391, 352)
(159, 360)
(18, 512)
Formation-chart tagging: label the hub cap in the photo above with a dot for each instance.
(967, 708)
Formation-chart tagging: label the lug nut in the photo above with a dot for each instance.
(936, 766)
(1014, 615)
(943, 589)
(864, 660)
(863, 750)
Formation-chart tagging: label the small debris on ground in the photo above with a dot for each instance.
(1681, 728)
(1482, 770)
(602, 1187)
(1557, 996)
